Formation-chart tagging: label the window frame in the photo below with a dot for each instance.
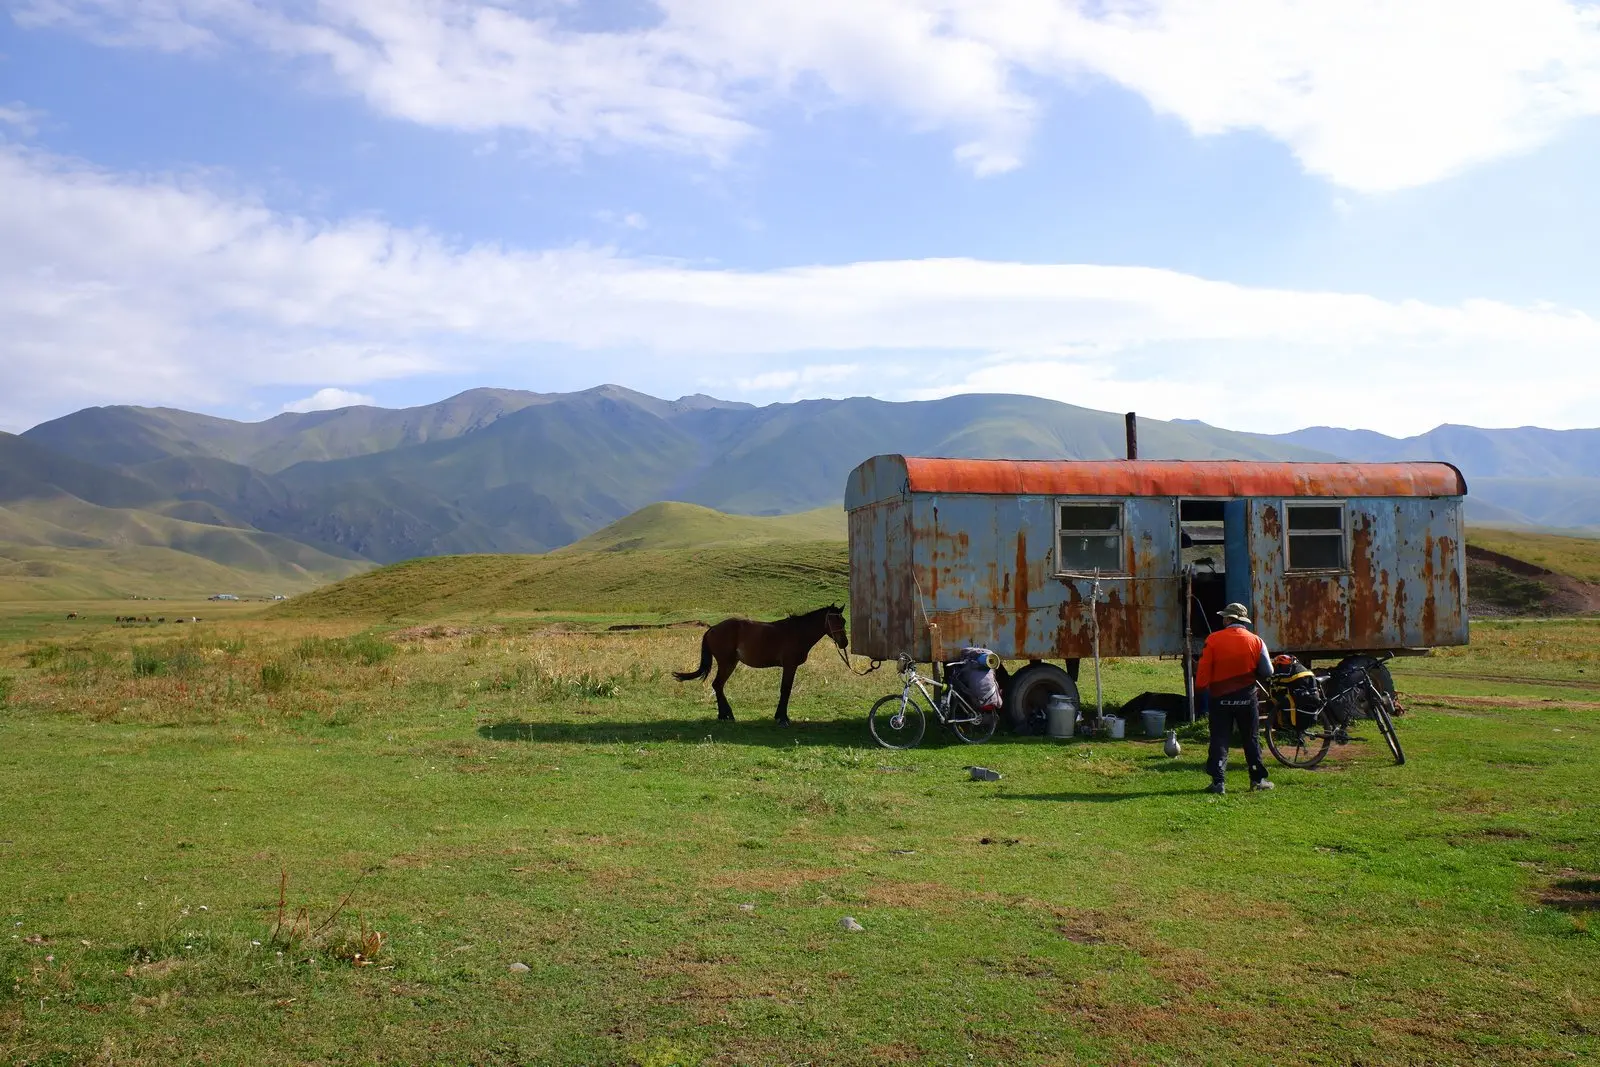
(1343, 533)
(1120, 503)
(1177, 530)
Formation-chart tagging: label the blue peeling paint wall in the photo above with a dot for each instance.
(930, 572)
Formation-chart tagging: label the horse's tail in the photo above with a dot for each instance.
(705, 662)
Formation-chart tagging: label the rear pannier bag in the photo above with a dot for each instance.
(1296, 696)
(973, 677)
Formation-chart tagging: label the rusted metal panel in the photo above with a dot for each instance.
(983, 568)
(1174, 478)
(1139, 612)
(879, 478)
(1292, 611)
(881, 600)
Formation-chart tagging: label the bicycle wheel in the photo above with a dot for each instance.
(1299, 748)
(973, 727)
(894, 726)
(1380, 712)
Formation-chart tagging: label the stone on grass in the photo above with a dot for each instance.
(747, 907)
(849, 925)
(519, 968)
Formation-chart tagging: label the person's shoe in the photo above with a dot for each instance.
(1265, 783)
(1217, 788)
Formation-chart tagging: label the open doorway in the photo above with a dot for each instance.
(1202, 548)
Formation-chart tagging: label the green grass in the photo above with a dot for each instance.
(672, 525)
(552, 797)
(1576, 557)
(770, 579)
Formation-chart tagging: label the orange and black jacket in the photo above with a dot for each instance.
(1234, 658)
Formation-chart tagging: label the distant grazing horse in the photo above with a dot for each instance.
(783, 644)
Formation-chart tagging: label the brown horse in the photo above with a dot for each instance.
(784, 644)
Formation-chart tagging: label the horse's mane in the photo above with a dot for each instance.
(814, 611)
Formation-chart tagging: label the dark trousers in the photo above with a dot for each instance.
(1230, 712)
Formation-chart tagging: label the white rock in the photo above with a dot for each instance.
(747, 907)
(519, 968)
(849, 925)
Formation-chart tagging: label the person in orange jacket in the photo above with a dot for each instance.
(1232, 662)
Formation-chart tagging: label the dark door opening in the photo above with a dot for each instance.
(1202, 548)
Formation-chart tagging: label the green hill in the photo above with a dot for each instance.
(671, 524)
(46, 572)
(1515, 572)
(670, 559)
(762, 580)
(1574, 557)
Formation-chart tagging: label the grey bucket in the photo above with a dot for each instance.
(1062, 715)
(1155, 722)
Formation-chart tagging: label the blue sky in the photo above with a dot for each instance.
(1260, 214)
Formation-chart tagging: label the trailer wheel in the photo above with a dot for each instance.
(1029, 695)
(1376, 669)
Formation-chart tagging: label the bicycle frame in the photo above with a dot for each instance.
(937, 702)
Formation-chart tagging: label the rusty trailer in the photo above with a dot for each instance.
(1063, 560)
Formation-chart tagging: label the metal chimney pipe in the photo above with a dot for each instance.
(1133, 435)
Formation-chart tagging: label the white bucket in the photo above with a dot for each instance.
(1155, 722)
(1062, 716)
(1115, 727)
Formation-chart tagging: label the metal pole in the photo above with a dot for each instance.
(1188, 637)
(1094, 615)
(1132, 422)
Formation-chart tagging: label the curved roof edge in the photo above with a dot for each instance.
(882, 477)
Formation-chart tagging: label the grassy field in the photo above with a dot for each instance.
(276, 840)
(1577, 557)
(766, 579)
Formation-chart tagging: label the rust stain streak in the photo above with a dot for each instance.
(1019, 591)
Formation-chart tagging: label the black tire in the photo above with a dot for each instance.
(881, 721)
(1380, 712)
(1299, 748)
(973, 727)
(1029, 694)
(1348, 673)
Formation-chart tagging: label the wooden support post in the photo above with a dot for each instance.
(1133, 434)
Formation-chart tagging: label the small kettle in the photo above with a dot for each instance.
(1172, 748)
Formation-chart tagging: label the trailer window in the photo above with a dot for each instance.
(1090, 538)
(1316, 536)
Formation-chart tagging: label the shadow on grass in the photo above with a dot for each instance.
(845, 733)
(1100, 798)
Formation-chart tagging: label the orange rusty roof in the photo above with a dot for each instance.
(1176, 477)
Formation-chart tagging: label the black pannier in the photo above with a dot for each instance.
(973, 677)
(1296, 694)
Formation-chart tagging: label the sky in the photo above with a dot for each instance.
(1265, 214)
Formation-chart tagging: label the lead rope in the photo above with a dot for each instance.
(845, 657)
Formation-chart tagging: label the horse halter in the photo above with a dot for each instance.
(841, 632)
(843, 655)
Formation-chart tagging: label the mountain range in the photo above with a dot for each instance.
(302, 498)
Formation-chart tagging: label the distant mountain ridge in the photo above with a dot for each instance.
(501, 470)
(1526, 474)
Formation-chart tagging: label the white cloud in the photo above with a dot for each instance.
(1372, 94)
(329, 399)
(160, 290)
(21, 118)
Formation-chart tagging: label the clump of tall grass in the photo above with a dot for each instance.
(369, 649)
(542, 684)
(149, 662)
(44, 655)
(7, 684)
(276, 676)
